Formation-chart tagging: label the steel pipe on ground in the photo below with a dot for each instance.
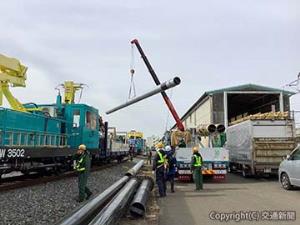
(90, 209)
(160, 88)
(115, 208)
(87, 212)
(134, 170)
(138, 205)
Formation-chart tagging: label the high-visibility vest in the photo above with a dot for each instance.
(161, 158)
(197, 162)
(163, 161)
(79, 165)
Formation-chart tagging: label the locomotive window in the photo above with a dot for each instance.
(94, 121)
(76, 118)
(91, 120)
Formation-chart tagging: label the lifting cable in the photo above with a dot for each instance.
(81, 90)
(294, 84)
(80, 95)
(132, 92)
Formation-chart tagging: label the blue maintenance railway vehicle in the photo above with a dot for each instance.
(44, 137)
(135, 138)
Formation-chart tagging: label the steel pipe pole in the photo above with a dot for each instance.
(157, 82)
(160, 88)
(134, 170)
(86, 213)
(115, 208)
(138, 205)
(220, 128)
(205, 130)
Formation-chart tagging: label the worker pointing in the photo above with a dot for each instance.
(196, 168)
(82, 166)
(159, 166)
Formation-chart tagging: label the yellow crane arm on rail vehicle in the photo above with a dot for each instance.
(70, 88)
(13, 73)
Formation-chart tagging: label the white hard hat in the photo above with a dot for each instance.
(168, 148)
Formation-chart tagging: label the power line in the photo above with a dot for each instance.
(294, 84)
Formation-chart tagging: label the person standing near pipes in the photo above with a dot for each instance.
(172, 163)
(149, 156)
(131, 151)
(159, 166)
(82, 166)
(196, 168)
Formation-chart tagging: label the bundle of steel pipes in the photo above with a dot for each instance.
(107, 207)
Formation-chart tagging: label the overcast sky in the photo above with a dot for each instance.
(209, 44)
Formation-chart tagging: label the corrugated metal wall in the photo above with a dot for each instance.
(218, 108)
(213, 111)
(201, 115)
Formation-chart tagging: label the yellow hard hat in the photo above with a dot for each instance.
(82, 147)
(160, 145)
(195, 149)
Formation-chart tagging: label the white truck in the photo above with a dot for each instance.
(215, 162)
(256, 147)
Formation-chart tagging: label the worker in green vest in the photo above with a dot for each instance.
(159, 166)
(82, 166)
(196, 168)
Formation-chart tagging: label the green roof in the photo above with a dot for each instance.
(249, 87)
(244, 87)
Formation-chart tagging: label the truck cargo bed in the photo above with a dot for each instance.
(257, 147)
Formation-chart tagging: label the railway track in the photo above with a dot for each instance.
(12, 183)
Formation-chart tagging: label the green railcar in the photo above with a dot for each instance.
(48, 135)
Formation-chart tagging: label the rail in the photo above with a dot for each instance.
(28, 180)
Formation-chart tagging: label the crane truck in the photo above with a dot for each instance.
(215, 160)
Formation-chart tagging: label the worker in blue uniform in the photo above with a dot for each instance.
(159, 166)
(172, 163)
(82, 166)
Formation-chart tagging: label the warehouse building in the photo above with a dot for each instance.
(223, 106)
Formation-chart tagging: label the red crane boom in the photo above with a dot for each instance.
(157, 82)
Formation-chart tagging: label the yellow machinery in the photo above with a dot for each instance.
(135, 138)
(13, 73)
(177, 136)
(134, 134)
(70, 89)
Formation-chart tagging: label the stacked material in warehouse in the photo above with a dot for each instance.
(263, 116)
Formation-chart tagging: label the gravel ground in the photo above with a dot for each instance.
(49, 203)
